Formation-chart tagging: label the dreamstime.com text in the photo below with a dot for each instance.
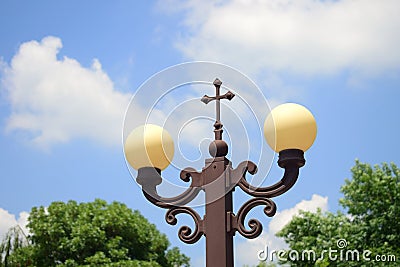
(338, 254)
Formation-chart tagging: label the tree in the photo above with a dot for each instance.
(372, 200)
(94, 234)
(14, 239)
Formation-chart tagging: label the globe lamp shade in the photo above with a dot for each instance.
(149, 146)
(290, 126)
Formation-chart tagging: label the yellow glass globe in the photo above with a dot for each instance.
(149, 146)
(290, 126)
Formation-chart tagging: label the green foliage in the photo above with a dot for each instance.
(372, 199)
(95, 234)
(176, 258)
(318, 232)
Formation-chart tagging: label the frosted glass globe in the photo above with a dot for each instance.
(149, 146)
(290, 126)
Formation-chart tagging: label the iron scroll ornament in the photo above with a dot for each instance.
(150, 177)
(290, 160)
(185, 233)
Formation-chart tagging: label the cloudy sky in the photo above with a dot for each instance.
(68, 70)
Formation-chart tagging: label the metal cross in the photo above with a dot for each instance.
(206, 99)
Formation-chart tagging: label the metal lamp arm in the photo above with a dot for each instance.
(170, 202)
(291, 160)
(288, 180)
(149, 178)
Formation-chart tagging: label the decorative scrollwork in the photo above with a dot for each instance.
(254, 224)
(197, 177)
(185, 232)
(149, 178)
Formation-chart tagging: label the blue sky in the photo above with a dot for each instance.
(69, 68)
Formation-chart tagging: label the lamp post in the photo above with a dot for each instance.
(289, 129)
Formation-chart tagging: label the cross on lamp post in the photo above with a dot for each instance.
(290, 129)
(206, 99)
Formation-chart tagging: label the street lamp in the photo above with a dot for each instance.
(289, 129)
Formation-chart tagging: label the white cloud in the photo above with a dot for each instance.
(302, 36)
(8, 220)
(54, 100)
(246, 252)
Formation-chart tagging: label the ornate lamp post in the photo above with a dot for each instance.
(289, 129)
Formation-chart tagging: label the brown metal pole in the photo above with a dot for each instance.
(219, 243)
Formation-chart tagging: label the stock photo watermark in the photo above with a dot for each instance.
(338, 253)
